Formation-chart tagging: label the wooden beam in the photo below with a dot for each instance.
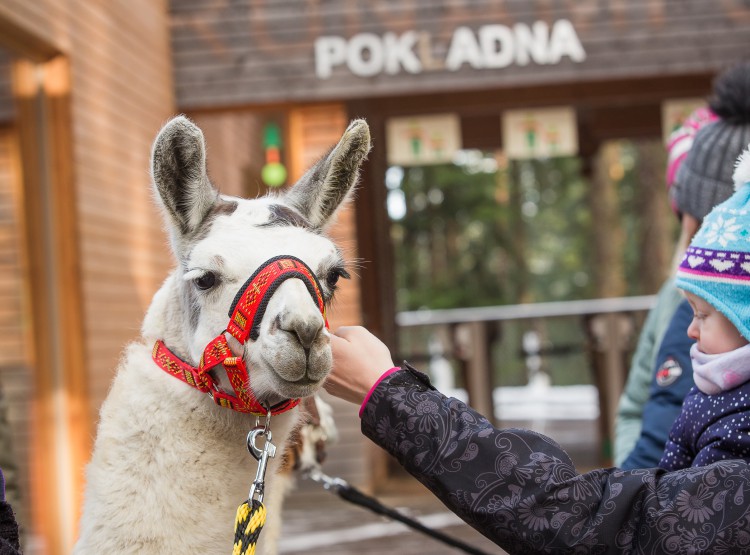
(24, 43)
(373, 237)
(61, 438)
(43, 495)
(65, 243)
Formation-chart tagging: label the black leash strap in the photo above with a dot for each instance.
(353, 495)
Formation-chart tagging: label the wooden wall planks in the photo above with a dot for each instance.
(262, 52)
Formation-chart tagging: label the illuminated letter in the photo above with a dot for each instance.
(329, 52)
(531, 41)
(564, 42)
(463, 48)
(358, 62)
(497, 45)
(399, 53)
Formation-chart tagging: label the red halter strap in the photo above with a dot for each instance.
(245, 316)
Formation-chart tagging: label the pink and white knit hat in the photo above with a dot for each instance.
(680, 141)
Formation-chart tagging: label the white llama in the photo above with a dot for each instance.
(170, 466)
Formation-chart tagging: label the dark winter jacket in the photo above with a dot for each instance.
(521, 490)
(672, 379)
(9, 542)
(710, 428)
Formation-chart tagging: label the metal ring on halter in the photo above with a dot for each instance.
(267, 423)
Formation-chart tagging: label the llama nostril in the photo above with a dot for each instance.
(306, 332)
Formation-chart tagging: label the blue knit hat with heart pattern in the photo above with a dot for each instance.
(716, 265)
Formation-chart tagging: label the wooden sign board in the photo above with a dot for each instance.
(540, 133)
(250, 53)
(423, 140)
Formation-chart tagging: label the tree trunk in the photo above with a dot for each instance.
(517, 231)
(656, 230)
(608, 237)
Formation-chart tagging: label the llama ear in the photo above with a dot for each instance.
(324, 187)
(178, 167)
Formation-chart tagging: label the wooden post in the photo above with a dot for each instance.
(61, 428)
(609, 338)
(473, 348)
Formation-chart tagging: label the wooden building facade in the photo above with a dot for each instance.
(615, 63)
(83, 249)
(84, 87)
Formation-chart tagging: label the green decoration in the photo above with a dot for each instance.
(271, 135)
(273, 174)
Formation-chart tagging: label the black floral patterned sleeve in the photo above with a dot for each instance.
(521, 490)
(9, 542)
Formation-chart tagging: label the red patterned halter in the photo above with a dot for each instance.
(245, 316)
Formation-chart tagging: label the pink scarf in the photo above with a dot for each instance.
(716, 373)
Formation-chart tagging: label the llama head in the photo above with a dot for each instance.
(220, 241)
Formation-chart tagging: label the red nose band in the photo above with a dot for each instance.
(245, 315)
(252, 299)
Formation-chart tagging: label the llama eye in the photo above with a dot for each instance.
(206, 281)
(333, 277)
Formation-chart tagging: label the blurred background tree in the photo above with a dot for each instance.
(487, 231)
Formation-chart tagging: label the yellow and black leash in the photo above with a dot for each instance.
(251, 515)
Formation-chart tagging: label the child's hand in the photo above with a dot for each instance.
(359, 359)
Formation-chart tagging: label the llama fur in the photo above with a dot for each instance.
(169, 467)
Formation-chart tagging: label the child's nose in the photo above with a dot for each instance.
(692, 330)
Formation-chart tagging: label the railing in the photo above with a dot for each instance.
(610, 331)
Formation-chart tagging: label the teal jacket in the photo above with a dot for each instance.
(641, 373)
(670, 384)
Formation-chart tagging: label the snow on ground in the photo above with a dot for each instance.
(534, 403)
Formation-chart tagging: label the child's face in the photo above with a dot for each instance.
(711, 330)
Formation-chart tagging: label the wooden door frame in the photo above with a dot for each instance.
(60, 421)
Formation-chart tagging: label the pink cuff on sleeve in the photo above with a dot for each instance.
(380, 379)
